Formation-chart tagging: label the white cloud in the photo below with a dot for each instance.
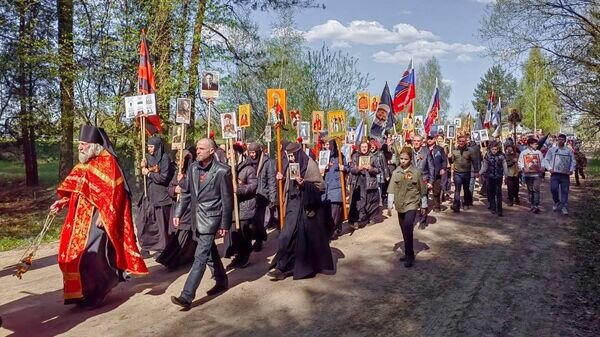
(464, 58)
(340, 44)
(367, 33)
(422, 50)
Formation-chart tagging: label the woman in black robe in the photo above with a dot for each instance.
(303, 242)
(154, 208)
(181, 247)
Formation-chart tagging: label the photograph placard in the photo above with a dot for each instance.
(364, 161)
(228, 125)
(532, 163)
(183, 114)
(304, 132)
(210, 84)
(561, 163)
(363, 101)
(294, 171)
(324, 159)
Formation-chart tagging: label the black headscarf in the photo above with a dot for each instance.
(334, 153)
(92, 134)
(154, 159)
(300, 156)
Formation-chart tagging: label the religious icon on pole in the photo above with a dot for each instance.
(317, 121)
(336, 122)
(407, 124)
(276, 106)
(244, 115)
(304, 132)
(295, 117)
(363, 101)
(374, 103)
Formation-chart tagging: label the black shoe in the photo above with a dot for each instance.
(220, 287)
(492, 210)
(510, 203)
(403, 258)
(181, 302)
(243, 263)
(517, 202)
(409, 262)
(354, 226)
(258, 245)
(455, 208)
(278, 275)
(235, 263)
(499, 213)
(145, 254)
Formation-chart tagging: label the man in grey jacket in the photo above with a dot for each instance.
(209, 192)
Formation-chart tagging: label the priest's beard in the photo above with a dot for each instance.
(91, 152)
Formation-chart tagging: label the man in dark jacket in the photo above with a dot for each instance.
(440, 163)
(209, 193)
(464, 159)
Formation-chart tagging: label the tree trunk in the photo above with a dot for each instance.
(194, 60)
(27, 135)
(65, 66)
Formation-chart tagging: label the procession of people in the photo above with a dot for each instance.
(180, 215)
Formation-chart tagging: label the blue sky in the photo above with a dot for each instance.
(384, 34)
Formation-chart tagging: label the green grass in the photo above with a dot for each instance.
(12, 172)
(593, 167)
(23, 209)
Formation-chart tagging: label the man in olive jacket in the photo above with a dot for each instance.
(463, 159)
(209, 193)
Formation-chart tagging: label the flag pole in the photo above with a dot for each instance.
(143, 131)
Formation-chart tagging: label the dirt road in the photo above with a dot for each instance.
(476, 275)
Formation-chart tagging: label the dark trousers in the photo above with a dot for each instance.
(512, 185)
(559, 186)
(258, 228)
(533, 187)
(494, 193)
(437, 192)
(462, 180)
(206, 254)
(407, 225)
(246, 239)
(578, 172)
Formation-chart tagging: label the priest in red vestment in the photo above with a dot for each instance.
(98, 245)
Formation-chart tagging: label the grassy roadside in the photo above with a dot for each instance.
(23, 209)
(586, 250)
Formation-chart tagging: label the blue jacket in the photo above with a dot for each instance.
(333, 187)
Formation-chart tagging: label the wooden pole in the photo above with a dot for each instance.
(209, 111)
(232, 162)
(280, 170)
(143, 130)
(342, 183)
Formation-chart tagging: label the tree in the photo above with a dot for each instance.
(504, 85)
(426, 74)
(67, 94)
(537, 99)
(568, 32)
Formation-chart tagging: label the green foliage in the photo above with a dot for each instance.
(504, 85)
(537, 98)
(426, 74)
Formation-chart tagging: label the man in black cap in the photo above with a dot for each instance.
(155, 207)
(98, 244)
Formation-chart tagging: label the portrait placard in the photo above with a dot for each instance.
(451, 132)
(294, 171)
(476, 136)
(183, 111)
(210, 84)
(407, 124)
(324, 159)
(228, 125)
(295, 118)
(267, 134)
(484, 135)
(351, 136)
(130, 107)
(532, 163)
(561, 163)
(419, 122)
(304, 132)
(364, 161)
(457, 122)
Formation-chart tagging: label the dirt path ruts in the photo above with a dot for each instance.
(476, 275)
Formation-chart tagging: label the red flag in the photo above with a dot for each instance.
(405, 92)
(433, 110)
(146, 84)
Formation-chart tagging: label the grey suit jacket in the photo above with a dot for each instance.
(423, 161)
